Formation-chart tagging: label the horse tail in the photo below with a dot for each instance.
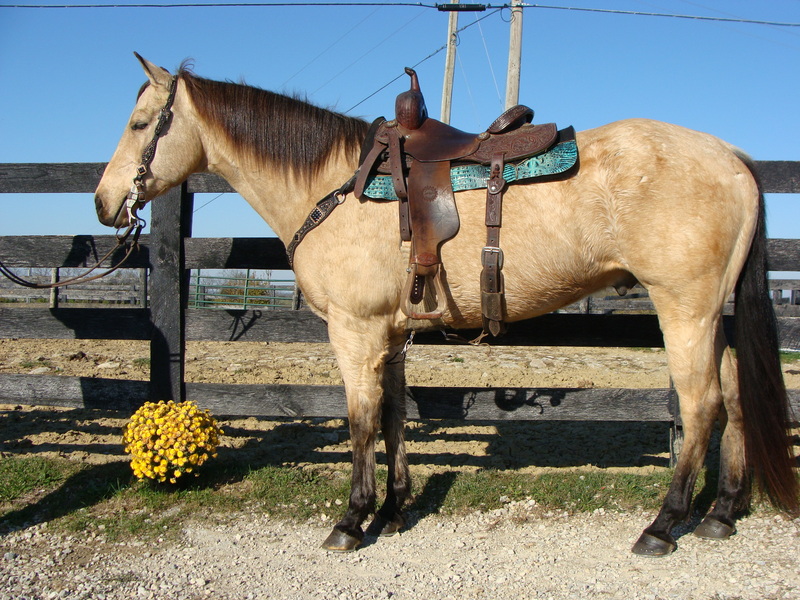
(762, 391)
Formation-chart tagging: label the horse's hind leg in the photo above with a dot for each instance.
(691, 337)
(733, 495)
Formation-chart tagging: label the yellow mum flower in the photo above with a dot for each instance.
(163, 437)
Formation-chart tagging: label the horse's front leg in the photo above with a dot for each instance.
(361, 348)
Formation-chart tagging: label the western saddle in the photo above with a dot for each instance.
(418, 152)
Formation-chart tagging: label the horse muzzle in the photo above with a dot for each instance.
(116, 219)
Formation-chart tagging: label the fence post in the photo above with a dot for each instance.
(54, 278)
(143, 288)
(171, 216)
(246, 288)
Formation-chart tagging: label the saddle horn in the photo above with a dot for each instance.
(410, 110)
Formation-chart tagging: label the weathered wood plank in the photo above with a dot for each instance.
(637, 331)
(50, 178)
(777, 176)
(543, 404)
(236, 253)
(789, 333)
(75, 323)
(305, 401)
(74, 392)
(783, 254)
(255, 326)
(50, 251)
(640, 331)
(469, 404)
(206, 183)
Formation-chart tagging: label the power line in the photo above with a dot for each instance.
(445, 7)
(666, 15)
(431, 55)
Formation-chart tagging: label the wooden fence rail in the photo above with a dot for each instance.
(169, 251)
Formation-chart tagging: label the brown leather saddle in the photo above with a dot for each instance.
(419, 152)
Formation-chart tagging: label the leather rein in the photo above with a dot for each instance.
(135, 200)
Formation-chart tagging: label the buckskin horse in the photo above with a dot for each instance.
(679, 211)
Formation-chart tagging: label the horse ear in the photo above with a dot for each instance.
(156, 75)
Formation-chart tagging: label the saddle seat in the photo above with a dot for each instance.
(418, 152)
(435, 141)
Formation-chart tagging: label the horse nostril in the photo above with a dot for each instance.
(102, 216)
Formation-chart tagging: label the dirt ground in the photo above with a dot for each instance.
(94, 436)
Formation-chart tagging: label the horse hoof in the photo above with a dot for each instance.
(339, 541)
(713, 529)
(650, 545)
(393, 526)
(381, 526)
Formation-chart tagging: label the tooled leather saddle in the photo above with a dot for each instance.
(418, 153)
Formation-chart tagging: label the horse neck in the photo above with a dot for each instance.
(281, 197)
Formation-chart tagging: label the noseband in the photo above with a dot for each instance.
(135, 200)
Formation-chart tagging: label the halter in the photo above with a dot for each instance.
(134, 200)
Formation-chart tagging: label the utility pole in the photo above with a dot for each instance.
(450, 59)
(514, 54)
(449, 67)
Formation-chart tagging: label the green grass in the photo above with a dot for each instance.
(33, 364)
(570, 491)
(87, 498)
(789, 356)
(80, 498)
(21, 476)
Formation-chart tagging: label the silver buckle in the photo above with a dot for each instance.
(488, 250)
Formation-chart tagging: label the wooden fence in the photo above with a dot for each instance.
(170, 251)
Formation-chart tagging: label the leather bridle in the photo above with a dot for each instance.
(135, 200)
(136, 197)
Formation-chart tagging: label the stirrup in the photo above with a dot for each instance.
(439, 292)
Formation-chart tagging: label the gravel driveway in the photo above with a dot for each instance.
(515, 552)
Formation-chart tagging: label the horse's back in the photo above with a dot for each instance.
(658, 201)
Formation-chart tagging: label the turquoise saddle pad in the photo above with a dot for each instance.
(557, 159)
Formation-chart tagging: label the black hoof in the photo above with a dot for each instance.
(339, 541)
(650, 545)
(385, 527)
(712, 529)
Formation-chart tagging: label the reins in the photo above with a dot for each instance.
(135, 228)
(135, 200)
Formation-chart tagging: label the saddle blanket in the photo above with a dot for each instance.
(558, 159)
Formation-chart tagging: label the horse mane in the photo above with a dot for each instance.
(272, 128)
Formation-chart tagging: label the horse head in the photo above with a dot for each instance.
(159, 149)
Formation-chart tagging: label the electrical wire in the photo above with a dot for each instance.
(406, 4)
(491, 66)
(414, 66)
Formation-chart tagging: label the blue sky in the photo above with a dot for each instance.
(69, 78)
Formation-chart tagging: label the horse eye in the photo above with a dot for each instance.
(139, 125)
